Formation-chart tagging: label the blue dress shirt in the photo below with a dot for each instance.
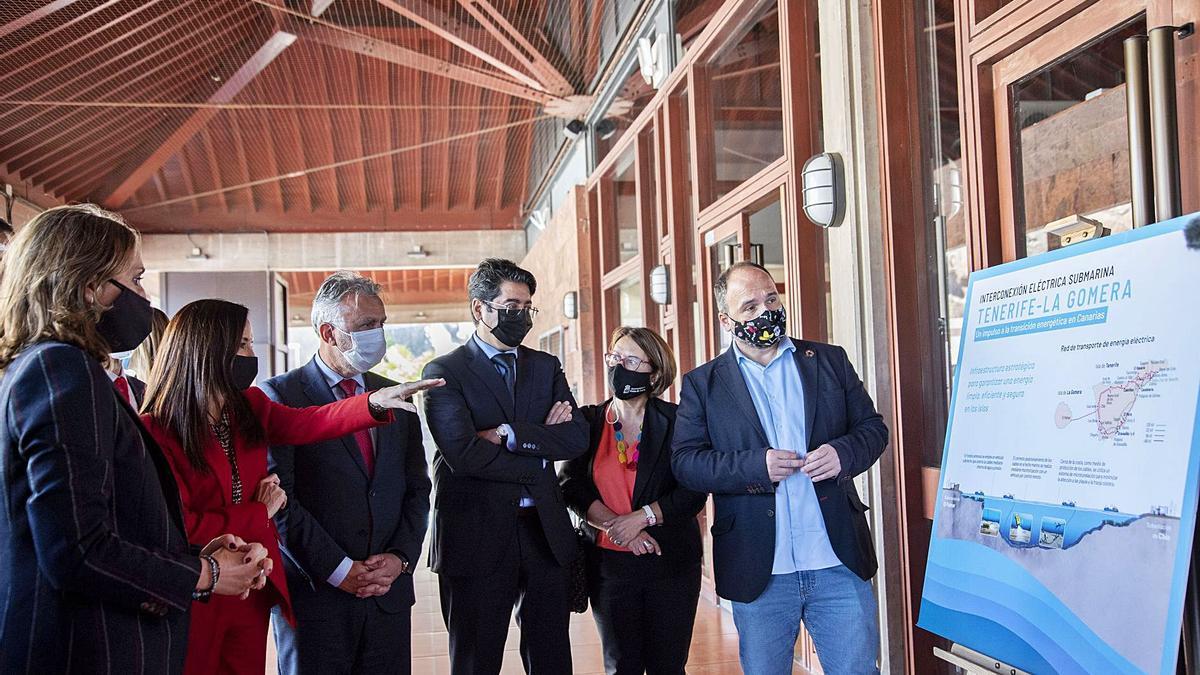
(801, 542)
(335, 383)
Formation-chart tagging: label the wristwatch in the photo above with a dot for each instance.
(651, 519)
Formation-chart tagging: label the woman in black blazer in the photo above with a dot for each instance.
(645, 578)
(96, 573)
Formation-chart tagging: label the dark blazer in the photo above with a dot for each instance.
(334, 510)
(720, 447)
(679, 534)
(138, 389)
(479, 484)
(96, 574)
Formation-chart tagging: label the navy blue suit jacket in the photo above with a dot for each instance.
(720, 447)
(480, 484)
(334, 509)
(96, 574)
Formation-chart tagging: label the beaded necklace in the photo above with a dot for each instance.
(225, 438)
(627, 456)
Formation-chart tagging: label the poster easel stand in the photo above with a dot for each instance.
(974, 663)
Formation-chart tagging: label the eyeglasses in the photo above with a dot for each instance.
(630, 362)
(513, 311)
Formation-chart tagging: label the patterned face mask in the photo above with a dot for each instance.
(764, 330)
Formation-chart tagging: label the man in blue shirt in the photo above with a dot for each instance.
(776, 429)
(501, 534)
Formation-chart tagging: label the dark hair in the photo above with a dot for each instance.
(721, 285)
(486, 279)
(193, 366)
(5, 228)
(662, 357)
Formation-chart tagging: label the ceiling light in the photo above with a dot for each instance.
(418, 251)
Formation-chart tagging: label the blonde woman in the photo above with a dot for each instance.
(96, 574)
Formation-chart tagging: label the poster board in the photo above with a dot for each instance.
(1064, 521)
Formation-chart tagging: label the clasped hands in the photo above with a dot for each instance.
(820, 464)
(243, 567)
(373, 576)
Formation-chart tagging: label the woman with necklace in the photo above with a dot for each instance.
(215, 428)
(645, 567)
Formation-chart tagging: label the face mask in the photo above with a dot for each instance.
(512, 327)
(367, 348)
(245, 369)
(764, 330)
(627, 384)
(123, 357)
(127, 323)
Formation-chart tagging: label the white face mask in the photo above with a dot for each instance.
(367, 348)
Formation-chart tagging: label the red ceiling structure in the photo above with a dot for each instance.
(400, 287)
(287, 115)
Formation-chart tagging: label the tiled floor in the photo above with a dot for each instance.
(714, 641)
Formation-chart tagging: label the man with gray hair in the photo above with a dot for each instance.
(358, 506)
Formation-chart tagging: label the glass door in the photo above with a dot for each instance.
(724, 245)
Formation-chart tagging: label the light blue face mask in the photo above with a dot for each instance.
(367, 348)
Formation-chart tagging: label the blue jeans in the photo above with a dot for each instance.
(838, 609)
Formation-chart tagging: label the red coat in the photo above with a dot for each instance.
(207, 509)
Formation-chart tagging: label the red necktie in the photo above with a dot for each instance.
(122, 386)
(363, 438)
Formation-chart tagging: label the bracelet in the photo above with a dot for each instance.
(651, 519)
(214, 570)
(377, 411)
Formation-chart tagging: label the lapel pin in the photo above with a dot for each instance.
(809, 353)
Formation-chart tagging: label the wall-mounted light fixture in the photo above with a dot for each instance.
(822, 188)
(660, 285)
(418, 251)
(570, 306)
(573, 129)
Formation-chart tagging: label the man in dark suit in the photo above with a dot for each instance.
(358, 506)
(501, 533)
(777, 429)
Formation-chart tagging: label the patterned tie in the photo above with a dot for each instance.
(122, 386)
(508, 369)
(362, 438)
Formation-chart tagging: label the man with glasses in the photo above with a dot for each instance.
(501, 534)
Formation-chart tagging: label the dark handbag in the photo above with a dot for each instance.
(579, 572)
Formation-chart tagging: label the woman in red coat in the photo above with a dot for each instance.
(215, 428)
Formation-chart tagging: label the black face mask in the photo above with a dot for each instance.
(627, 384)
(512, 327)
(764, 330)
(245, 369)
(127, 323)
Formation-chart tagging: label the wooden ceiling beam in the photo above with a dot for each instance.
(358, 43)
(318, 7)
(265, 129)
(7, 56)
(44, 128)
(472, 185)
(189, 183)
(179, 218)
(323, 135)
(517, 44)
(376, 88)
(214, 167)
(243, 160)
(446, 130)
(273, 47)
(66, 61)
(448, 28)
(34, 16)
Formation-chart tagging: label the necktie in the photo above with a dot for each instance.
(362, 438)
(122, 386)
(508, 368)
